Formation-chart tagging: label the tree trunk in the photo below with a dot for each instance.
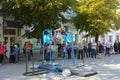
(96, 38)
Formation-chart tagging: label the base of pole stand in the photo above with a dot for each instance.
(83, 73)
(34, 73)
(87, 73)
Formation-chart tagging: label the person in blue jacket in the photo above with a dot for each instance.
(16, 51)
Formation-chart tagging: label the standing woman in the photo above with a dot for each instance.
(1, 51)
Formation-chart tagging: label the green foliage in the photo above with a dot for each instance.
(117, 21)
(95, 16)
(40, 13)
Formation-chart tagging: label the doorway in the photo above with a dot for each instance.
(8, 39)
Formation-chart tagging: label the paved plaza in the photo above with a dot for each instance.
(108, 68)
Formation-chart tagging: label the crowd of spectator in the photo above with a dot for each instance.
(81, 50)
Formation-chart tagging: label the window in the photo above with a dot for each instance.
(9, 32)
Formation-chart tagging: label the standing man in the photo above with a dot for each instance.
(84, 44)
(93, 49)
(28, 48)
(108, 46)
(12, 57)
(89, 49)
(116, 47)
(119, 47)
(80, 51)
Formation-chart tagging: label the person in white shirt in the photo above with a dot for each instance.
(108, 46)
(93, 49)
(58, 35)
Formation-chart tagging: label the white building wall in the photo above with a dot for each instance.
(80, 37)
(1, 28)
(113, 36)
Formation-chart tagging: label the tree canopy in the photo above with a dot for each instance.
(41, 14)
(95, 16)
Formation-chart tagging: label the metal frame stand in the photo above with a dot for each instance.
(72, 51)
(49, 67)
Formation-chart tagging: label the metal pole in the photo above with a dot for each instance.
(26, 62)
(72, 52)
(43, 53)
(32, 62)
(83, 59)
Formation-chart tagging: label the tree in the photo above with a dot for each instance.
(95, 16)
(41, 14)
(117, 21)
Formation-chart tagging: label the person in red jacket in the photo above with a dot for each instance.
(1, 51)
(28, 49)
